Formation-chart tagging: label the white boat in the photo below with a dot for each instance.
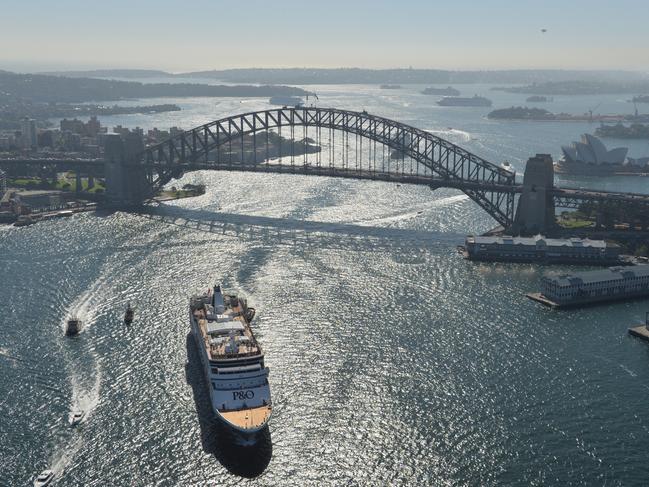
(232, 361)
(44, 478)
(76, 417)
(508, 167)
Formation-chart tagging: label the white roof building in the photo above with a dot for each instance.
(591, 150)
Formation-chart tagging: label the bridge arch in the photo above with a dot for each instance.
(434, 161)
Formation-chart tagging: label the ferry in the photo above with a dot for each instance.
(73, 326)
(128, 314)
(232, 361)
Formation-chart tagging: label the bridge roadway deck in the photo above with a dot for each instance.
(348, 173)
(406, 178)
(352, 173)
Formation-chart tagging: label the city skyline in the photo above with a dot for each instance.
(215, 35)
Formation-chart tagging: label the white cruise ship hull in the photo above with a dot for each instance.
(236, 391)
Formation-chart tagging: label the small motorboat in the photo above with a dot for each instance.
(76, 417)
(128, 315)
(508, 167)
(44, 478)
(73, 326)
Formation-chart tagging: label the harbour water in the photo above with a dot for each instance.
(393, 360)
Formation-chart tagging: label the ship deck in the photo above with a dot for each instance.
(248, 418)
(217, 346)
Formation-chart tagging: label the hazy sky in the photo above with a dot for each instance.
(212, 34)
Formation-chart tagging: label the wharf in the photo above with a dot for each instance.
(641, 331)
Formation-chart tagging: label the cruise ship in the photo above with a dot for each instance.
(590, 287)
(233, 362)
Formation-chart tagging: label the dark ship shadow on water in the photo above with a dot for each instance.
(216, 439)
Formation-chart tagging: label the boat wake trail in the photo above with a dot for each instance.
(412, 212)
(85, 390)
(85, 306)
(63, 456)
(455, 135)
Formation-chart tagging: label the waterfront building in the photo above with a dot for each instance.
(3, 183)
(592, 150)
(541, 249)
(590, 157)
(610, 284)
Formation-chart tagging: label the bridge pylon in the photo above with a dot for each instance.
(126, 183)
(535, 212)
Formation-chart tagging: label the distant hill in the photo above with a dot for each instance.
(60, 89)
(303, 76)
(306, 76)
(111, 73)
(584, 87)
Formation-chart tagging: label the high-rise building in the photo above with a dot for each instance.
(75, 126)
(93, 127)
(3, 183)
(28, 130)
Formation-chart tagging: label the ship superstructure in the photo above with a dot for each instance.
(232, 360)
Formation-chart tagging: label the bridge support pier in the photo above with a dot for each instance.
(126, 183)
(535, 210)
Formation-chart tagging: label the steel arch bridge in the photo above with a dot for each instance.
(422, 158)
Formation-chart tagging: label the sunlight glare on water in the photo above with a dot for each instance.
(392, 360)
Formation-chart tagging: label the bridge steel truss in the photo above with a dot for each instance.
(434, 161)
(631, 205)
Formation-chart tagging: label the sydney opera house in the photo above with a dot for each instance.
(591, 157)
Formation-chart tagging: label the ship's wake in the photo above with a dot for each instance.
(85, 391)
(86, 307)
(412, 212)
(63, 456)
(451, 134)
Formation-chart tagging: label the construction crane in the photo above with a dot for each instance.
(590, 112)
(313, 95)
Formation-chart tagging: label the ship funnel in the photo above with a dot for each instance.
(217, 299)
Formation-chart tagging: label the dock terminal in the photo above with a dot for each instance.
(591, 287)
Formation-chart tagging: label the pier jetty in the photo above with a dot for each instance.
(641, 331)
